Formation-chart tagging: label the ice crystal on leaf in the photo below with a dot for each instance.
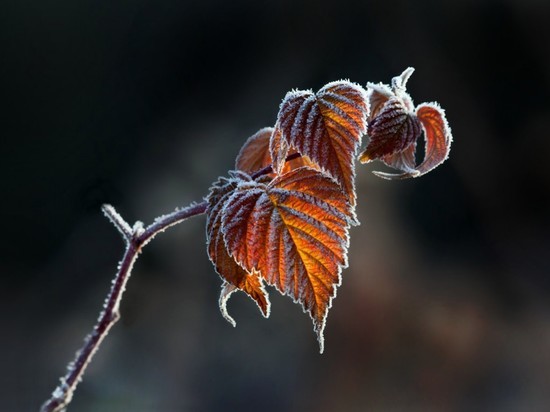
(395, 125)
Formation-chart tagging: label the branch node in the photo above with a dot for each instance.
(115, 316)
(138, 229)
(135, 237)
(117, 220)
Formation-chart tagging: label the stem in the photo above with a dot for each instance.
(268, 169)
(136, 238)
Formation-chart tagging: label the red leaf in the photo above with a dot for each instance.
(294, 232)
(438, 137)
(404, 160)
(391, 131)
(326, 127)
(233, 275)
(395, 125)
(437, 133)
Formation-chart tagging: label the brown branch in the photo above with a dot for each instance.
(136, 238)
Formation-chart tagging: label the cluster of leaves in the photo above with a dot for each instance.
(283, 216)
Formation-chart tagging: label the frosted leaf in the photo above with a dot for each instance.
(377, 95)
(393, 130)
(254, 155)
(227, 290)
(438, 135)
(294, 233)
(395, 125)
(404, 160)
(230, 272)
(237, 219)
(327, 128)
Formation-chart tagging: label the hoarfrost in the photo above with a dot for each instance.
(227, 290)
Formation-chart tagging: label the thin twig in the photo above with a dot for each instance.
(117, 220)
(135, 239)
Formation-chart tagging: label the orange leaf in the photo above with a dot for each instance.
(255, 154)
(294, 232)
(437, 133)
(327, 127)
(234, 276)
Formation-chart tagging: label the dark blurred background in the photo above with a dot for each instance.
(142, 104)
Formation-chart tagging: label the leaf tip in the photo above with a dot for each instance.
(319, 327)
(227, 290)
(400, 82)
(321, 340)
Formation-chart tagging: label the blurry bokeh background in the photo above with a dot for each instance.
(142, 104)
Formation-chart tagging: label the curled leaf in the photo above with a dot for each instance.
(438, 139)
(326, 127)
(294, 232)
(288, 225)
(438, 135)
(392, 130)
(404, 160)
(378, 94)
(395, 126)
(234, 276)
